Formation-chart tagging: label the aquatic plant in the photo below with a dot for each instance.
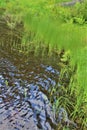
(55, 28)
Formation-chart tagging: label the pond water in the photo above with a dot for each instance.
(25, 85)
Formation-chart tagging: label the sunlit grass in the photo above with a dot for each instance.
(43, 30)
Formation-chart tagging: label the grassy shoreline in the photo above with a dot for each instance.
(54, 28)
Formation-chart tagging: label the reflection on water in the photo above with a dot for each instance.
(24, 91)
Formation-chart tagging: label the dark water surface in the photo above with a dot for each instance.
(25, 84)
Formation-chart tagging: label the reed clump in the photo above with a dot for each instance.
(55, 28)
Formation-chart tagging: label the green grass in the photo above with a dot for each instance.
(44, 28)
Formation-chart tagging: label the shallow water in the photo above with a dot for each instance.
(25, 84)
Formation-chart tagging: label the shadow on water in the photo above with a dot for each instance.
(25, 81)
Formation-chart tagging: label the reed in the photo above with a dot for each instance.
(43, 29)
